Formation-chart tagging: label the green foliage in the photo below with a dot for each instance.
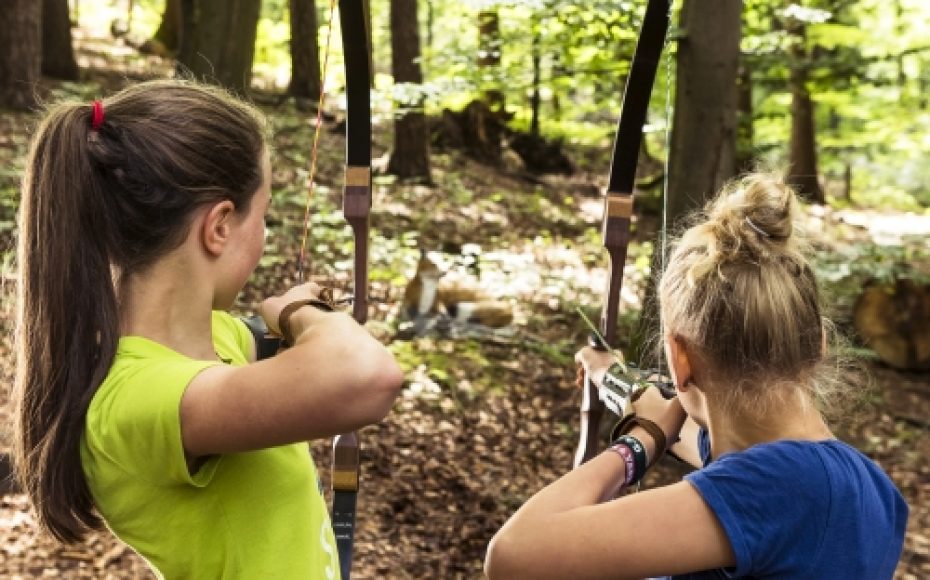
(869, 66)
(859, 263)
(843, 272)
(459, 370)
(868, 60)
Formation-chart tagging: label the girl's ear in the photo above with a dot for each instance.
(216, 226)
(680, 361)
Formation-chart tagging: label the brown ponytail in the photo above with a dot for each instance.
(99, 204)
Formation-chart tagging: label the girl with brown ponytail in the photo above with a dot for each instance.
(775, 495)
(139, 403)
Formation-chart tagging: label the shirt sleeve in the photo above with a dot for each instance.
(232, 338)
(137, 425)
(771, 503)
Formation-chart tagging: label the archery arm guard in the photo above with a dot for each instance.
(266, 343)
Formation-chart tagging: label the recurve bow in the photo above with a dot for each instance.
(618, 203)
(356, 208)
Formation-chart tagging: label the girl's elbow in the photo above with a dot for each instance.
(385, 375)
(382, 388)
(392, 376)
(502, 558)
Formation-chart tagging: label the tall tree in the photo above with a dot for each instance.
(305, 51)
(168, 35)
(745, 127)
(702, 154)
(20, 53)
(57, 51)
(410, 157)
(489, 58)
(802, 171)
(703, 145)
(218, 40)
(535, 97)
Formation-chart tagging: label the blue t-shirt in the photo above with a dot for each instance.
(803, 509)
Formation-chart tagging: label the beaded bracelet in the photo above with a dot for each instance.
(625, 453)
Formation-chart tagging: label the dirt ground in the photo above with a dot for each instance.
(464, 448)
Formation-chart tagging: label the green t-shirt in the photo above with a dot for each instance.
(242, 515)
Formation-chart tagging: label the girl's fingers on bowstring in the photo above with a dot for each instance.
(593, 362)
(271, 307)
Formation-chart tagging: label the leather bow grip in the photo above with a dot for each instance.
(591, 412)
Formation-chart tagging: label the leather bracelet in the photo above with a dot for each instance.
(284, 319)
(626, 425)
(639, 456)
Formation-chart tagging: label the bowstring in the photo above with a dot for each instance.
(663, 364)
(301, 259)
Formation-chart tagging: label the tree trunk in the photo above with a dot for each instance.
(702, 155)
(20, 53)
(169, 31)
(745, 156)
(305, 51)
(410, 157)
(57, 52)
(535, 98)
(802, 173)
(218, 42)
(186, 40)
(847, 181)
(429, 31)
(703, 143)
(489, 58)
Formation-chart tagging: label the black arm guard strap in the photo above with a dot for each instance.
(266, 344)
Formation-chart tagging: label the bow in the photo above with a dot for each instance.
(356, 207)
(618, 204)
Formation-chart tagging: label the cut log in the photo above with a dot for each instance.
(894, 321)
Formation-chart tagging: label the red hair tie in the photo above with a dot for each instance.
(97, 119)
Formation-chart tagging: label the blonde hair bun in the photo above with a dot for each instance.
(753, 218)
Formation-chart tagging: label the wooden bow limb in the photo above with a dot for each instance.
(356, 208)
(618, 204)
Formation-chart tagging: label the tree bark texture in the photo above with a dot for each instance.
(57, 51)
(535, 98)
(305, 50)
(702, 154)
(745, 154)
(489, 58)
(802, 173)
(169, 30)
(410, 157)
(218, 41)
(20, 53)
(703, 143)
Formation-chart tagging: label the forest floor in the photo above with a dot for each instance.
(485, 419)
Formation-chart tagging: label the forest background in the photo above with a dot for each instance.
(492, 130)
